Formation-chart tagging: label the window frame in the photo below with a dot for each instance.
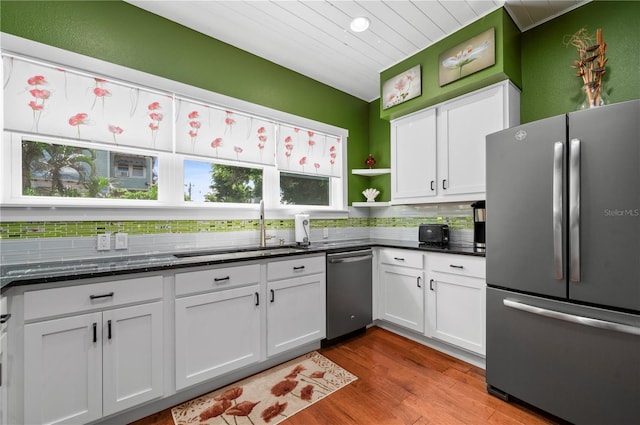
(170, 203)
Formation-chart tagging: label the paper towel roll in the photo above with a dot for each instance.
(302, 229)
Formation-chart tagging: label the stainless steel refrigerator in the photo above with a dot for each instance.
(563, 264)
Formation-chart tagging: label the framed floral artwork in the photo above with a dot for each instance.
(401, 88)
(473, 55)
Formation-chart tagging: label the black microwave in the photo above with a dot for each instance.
(433, 234)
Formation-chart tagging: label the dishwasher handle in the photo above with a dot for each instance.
(350, 259)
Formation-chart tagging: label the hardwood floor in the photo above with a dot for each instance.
(402, 382)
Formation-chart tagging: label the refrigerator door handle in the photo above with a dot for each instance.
(558, 168)
(572, 318)
(574, 210)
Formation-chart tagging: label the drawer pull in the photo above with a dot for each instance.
(456, 266)
(398, 258)
(257, 299)
(273, 295)
(431, 284)
(95, 297)
(95, 332)
(298, 268)
(221, 279)
(419, 282)
(4, 318)
(432, 188)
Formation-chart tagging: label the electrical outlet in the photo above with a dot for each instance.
(122, 241)
(104, 242)
(325, 232)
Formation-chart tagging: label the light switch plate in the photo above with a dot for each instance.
(122, 241)
(325, 232)
(104, 242)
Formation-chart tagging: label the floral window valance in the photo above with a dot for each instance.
(54, 101)
(305, 151)
(207, 130)
(49, 100)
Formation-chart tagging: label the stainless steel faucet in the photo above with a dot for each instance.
(263, 235)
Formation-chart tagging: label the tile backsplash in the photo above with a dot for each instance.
(25, 242)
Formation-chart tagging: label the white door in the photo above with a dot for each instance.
(63, 370)
(296, 312)
(402, 296)
(132, 356)
(462, 128)
(456, 310)
(216, 333)
(413, 157)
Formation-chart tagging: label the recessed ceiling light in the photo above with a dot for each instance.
(359, 24)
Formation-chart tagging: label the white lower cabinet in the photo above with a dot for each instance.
(3, 378)
(456, 301)
(63, 370)
(85, 366)
(132, 356)
(216, 333)
(95, 348)
(80, 368)
(4, 317)
(401, 285)
(449, 305)
(296, 311)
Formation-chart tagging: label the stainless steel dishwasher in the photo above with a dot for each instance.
(349, 300)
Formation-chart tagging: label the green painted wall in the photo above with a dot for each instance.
(120, 33)
(507, 65)
(380, 148)
(549, 84)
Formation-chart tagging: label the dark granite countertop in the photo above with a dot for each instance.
(32, 273)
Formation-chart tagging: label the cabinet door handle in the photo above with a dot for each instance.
(298, 268)
(95, 297)
(95, 332)
(456, 266)
(257, 298)
(419, 282)
(398, 258)
(431, 284)
(221, 279)
(4, 318)
(273, 295)
(432, 183)
(444, 181)
(108, 329)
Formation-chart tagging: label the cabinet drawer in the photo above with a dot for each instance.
(301, 265)
(401, 257)
(463, 265)
(215, 279)
(73, 299)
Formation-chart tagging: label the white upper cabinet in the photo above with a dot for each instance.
(413, 157)
(438, 154)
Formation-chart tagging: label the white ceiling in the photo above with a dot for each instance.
(312, 37)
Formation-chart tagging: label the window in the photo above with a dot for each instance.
(211, 182)
(78, 145)
(122, 170)
(57, 170)
(298, 189)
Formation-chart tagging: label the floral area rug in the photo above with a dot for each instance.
(268, 397)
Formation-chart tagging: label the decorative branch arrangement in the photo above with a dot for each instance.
(591, 66)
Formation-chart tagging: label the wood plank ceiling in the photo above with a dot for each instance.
(313, 37)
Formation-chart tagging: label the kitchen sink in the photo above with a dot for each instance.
(249, 251)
